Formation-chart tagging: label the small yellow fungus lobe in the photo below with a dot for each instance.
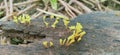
(3, 41)
(54, 24)
(72, 27)
(70, 42)
(61, 42)
(27, 18)
(64, 41)
(72, 36)
(15, 19)
(44, 17)
(82, 34)
(24, 19)
(51, 17)
(45, 44)
(79, 39)
(46, 24)
(51, 44)
(78, 28)
(76, 35)
(19, 18)
(57, 18)
(66, 22)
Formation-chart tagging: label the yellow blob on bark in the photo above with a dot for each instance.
(61, 42)
(51, 44)
(45, 44)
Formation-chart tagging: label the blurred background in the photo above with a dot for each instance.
(66, 8)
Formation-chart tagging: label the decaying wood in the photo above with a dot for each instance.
(71, 9)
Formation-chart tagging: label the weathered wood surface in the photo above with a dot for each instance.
(102, 38)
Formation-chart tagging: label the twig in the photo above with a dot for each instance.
(98, 5)
(87, 1)
(35, 16)
(116, 1)
(67, 8)
(75, 10)
(70, 2)
(11, 6)
(106, 8)
(2, 3)
(38, 14)
(24, 3)
(6, 8)
(72, 8)
(68, 13)
(21, 3)
(85, 8)
(92, 1)
(61, 16)
(16, 9)
(5, 18)
(31, 6)
(80, 9)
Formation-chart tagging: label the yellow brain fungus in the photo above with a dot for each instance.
(24, 19)
(66, 22)
(57, 18)
(78, 28)
(61, 42)
(46, 24)
(75, 37)
(71, 36)
(19, 18)
(70, 39)
(44, 17)
(47, 44)
(15, 19)
(51, 44)
(54, 24)
(64, 41)
(81, 35)
(51, 16)
(70, 42)
(72, 27)
(27, 20)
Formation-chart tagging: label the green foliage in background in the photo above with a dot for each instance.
(1, 13)
(52, 2)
